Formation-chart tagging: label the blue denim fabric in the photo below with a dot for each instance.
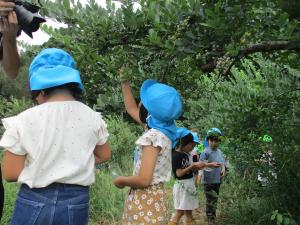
(56, 204)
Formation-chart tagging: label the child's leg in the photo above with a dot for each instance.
(178, 214)
(200, 174)
(188, 215)
(212, 193)
(199, 177)
(216, 188)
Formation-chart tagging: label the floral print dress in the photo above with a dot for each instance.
(148, 205)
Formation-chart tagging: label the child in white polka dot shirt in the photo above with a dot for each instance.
(51, 149)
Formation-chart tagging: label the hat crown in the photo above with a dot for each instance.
(162, 101)
(53, 67)
(49, 58)
(214, 132)
(182, 132)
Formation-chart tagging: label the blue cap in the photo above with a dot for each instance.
(182, 132)
(163, 102)
(53, 67)
(214, 132)
(196, 138)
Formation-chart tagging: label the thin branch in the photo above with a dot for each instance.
(283, 93)
(167, 69)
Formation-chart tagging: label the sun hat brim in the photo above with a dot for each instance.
(44, 78)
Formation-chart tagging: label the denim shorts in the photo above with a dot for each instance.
(56, 204)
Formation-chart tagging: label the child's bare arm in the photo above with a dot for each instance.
(144, 178)
(213, 164)
(129, 101)
(182, 172)
(12, 166)
(102, 153)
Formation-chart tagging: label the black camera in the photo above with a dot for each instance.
(28, 17)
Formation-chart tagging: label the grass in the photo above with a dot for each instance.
(11, 191)
(106, 201)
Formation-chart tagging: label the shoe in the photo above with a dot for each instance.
(172, 223)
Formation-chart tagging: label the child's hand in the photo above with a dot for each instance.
(121, 71)
(124, 77)
(223, 172)
(118, 182)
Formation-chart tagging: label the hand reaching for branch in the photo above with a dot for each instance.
(121, 71)
(122, 74)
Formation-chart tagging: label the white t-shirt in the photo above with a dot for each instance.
(163, 168)
(58, 139)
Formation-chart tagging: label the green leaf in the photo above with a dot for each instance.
(279, 218)
(66, 4)
(153, 37)
(286, 221)
(273, 217)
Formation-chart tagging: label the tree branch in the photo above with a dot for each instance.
(269, 46)
(250, 49)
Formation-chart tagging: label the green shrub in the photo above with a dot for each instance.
(122, 141)
(261, 98)
(12, 106)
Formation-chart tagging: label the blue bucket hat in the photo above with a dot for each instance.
(53, 67)
(163, 102)
(196, 138)
(182, 132)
